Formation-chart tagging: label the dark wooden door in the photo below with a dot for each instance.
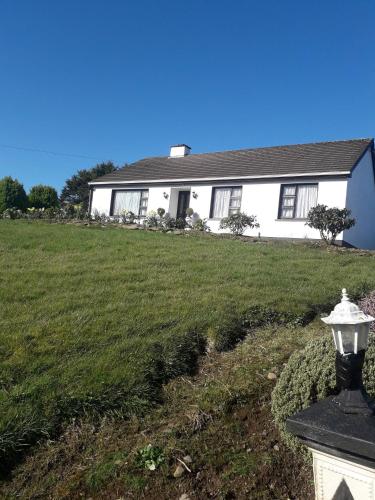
(183, 204)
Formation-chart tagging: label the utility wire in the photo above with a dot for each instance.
(55, 153)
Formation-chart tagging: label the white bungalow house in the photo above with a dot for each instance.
(277, 184)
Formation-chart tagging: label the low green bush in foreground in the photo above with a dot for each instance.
(310, 376)
(94, 320)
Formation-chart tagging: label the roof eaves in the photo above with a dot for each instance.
(370, 145)
(229, 178)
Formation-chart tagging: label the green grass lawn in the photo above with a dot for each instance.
(95, 319)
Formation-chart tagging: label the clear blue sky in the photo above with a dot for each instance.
(121, 79)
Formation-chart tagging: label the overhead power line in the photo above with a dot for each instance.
(55, 153)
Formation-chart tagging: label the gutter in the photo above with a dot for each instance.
(205, 179)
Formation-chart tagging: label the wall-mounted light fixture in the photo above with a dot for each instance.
(194, 195)
(166, 195)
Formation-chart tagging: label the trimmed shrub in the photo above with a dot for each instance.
(310, 376)
(12, 194)
(329, 221)
(238, 223)
(43, 197)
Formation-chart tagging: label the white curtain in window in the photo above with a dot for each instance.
(221, 202)
(306, 199)
(126, 200)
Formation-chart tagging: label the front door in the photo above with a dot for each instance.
(183, 204)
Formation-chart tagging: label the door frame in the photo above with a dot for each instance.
(182, 213)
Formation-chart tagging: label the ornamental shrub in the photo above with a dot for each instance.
(43, 197)
(201, 225)
(310, 376)
(181, 223)
(151, 220)
(329, 221)
(237, 223)
(12, 194)
(127, 217)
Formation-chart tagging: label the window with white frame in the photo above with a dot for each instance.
(130, 201)
(296, 200)
(226, 201)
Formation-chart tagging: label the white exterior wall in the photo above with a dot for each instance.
(361, 201)
(101, 200)
(157, 200)
(258, 198)
(262, 200)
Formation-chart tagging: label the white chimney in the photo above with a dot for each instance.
(179, 150)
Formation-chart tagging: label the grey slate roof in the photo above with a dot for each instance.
(316, 158)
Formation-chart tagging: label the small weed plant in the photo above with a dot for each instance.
(150, 457)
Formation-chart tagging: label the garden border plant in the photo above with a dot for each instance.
(310, 374)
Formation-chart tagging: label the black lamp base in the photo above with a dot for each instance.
(354, 401)
(353, 397)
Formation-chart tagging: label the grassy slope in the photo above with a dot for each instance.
(220, 417)
(82, 309)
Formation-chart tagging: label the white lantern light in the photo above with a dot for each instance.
(350, 326)
(350, 329)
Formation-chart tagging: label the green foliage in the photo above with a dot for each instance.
(43, 197)
(201, 225)
(76, 189)
(238, 223)
(12, 213)
(329, 221)
(127, 217)
(189, 212)
(310, 376)
(181, 223)
(152, 219)
(161, 212)
(150, 457)
(12, 195)
(234, 328)
(109, 315)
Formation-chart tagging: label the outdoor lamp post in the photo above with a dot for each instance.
(350, 329)
(340, 430)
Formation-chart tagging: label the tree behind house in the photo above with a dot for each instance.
(76, 189)
(43, 197)
(12, 194)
